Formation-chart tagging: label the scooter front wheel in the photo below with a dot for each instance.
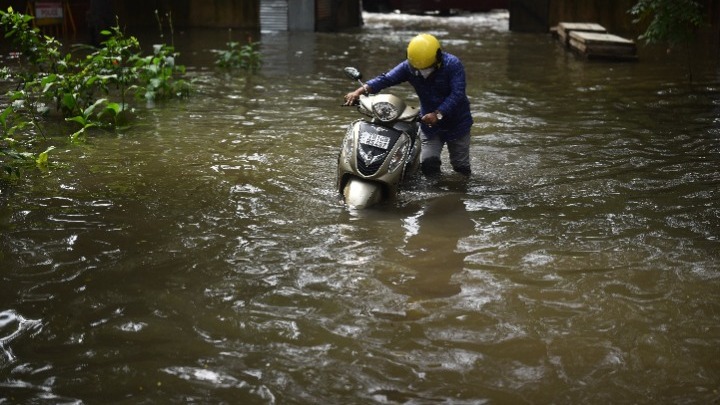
(360, 194)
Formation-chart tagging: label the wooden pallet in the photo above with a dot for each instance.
(595, 45)
(564, 29)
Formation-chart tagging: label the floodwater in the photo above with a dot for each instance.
(202, 254)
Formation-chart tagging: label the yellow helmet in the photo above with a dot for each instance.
(423, 51)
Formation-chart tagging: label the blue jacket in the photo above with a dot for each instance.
(443, 90)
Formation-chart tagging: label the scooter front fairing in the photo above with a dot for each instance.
(375, 154)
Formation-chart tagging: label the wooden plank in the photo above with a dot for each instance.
(594, 37)
(611, 56)
(564, 29)
(592, 41)
(601, 49)
(590, 49)
(585, 27)
(578, 46)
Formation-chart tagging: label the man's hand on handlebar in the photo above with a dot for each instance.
(353, 97)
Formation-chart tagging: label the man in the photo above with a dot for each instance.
(439, 81)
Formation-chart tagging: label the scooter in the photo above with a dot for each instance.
(379, 151)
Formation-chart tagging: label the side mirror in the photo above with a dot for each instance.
(353, 73)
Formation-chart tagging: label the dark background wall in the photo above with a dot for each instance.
(331, 15)
(191, 13)
(612, 14)
(185, 13)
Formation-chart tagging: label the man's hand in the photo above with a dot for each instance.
(430, 119)
(352, 97)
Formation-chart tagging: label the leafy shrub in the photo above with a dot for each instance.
(90, 92)
(671, 21)
(246, 57)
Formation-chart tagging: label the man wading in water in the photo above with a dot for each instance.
(439, 81)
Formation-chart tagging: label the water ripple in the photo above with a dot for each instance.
(15, 327)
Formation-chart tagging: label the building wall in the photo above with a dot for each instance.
(611, 14)
(242, 14)
(529, 15)
(223, 13)
(541, 15)
(304, 15)
(335, 15)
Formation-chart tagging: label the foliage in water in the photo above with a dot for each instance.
(236, 56)
(97, 89)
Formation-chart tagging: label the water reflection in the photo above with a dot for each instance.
(423, 265)
(287, 52)
(14, 326)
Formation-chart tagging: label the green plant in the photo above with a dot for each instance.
(111, 67)
(674, 22)
(158, 75)
(10, 153)
(246, 57)
(670, 21)
(15, 148)
(81, 90)
(159, 20)
(85, 119)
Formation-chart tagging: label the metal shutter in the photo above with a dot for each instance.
(273, 15)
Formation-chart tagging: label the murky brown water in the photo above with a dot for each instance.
(202, 255)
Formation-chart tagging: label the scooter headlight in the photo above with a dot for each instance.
(398, 157)
(385, 111)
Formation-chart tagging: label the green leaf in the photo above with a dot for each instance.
(78, 118)
(69, 101)
(42, 159)
(4, 115)
(88, 111)
(77, 136)
(116, 108)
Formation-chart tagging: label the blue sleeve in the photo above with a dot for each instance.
(395, 76)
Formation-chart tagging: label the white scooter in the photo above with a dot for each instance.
(379, 151)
